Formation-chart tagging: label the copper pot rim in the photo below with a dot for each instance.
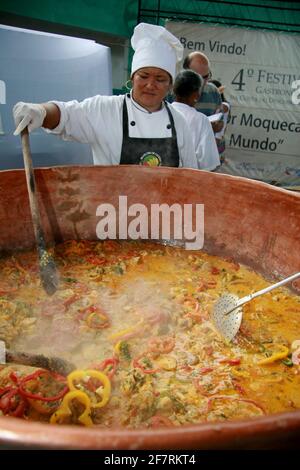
(231, 434)
(234, 434)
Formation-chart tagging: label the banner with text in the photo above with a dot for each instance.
(261, 72)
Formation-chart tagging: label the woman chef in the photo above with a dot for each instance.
(138, 128)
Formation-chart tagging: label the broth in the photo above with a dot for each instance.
(139, 315)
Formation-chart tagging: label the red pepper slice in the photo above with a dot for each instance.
(37, 396)
(231, 362)
(20, 410)
(158, 421)
(136, 364)
(233, 264)
(6, 289)
(94, 316)
(238, 387)
(161, 344)
(108, 366)
(71, 300)
(11, 402)
(85, 312)
(205, 370)
(14, 377)
(228, 397)
(214, 270)
(97, 319)
(206, 284)
(113, 362)
(111, 245)
(96, 261)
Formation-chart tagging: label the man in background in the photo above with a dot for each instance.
(210, 101)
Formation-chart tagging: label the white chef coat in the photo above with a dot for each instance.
(98, 122)
(203, 137)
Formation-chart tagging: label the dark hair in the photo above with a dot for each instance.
(186, 83)
(218, 84)
(187, 62)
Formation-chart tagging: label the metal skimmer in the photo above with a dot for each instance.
(227, 312)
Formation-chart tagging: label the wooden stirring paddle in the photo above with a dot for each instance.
(53, 364)
(48, 271)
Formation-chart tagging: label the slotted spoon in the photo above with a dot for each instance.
(227, 312)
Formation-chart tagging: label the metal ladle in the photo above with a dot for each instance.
(227, 312)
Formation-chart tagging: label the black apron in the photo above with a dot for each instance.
(149, 151)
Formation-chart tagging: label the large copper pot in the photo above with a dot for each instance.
(252, 222)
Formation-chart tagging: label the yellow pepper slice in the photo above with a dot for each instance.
(132, 329)
(240, 373)
(83, 374)
(64, 409)
(117, 347)
(121, 333)
(275, 357)
(97, 320)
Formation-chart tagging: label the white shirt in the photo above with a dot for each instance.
(203, 137)
(220, 134)
(98, 122)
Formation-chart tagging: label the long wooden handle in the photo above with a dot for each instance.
(31, 186)
(48, 272)
(54, 364)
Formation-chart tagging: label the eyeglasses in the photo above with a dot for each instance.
(207, 76)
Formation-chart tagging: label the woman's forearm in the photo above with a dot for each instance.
(52, 118)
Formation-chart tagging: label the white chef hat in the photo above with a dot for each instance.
(154, 46)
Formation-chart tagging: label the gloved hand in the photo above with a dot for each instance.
(28, 114)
